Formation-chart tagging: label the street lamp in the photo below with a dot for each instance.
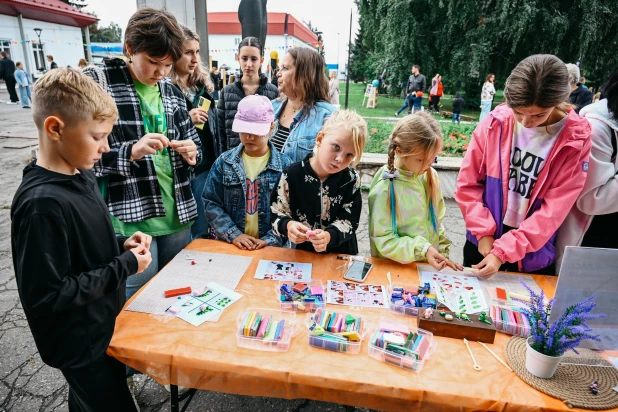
(38, 33)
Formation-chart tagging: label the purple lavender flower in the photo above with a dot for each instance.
(564, 334)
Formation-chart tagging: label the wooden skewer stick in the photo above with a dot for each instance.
(496, 356)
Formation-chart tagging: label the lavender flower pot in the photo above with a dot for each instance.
(541, 366)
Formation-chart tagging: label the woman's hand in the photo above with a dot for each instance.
(297, 232)
(198, 116)
(488, 267)
(136, 240)
(320, 240)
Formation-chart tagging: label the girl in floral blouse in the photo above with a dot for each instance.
(317, 202)
(406, 207)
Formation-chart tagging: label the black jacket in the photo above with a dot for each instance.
(216, 81)
(458, 105)
(228, 103)
(69, 267)
(7, 69)
(580, 97)
(209, 134)
(416, 83)
(333, 205)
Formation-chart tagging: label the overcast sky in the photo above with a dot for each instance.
(332, 17)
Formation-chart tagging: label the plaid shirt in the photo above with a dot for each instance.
(133, 192)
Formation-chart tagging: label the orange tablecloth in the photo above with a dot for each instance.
(206, 357)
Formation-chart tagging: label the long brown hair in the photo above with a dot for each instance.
(154, 32)
(415, 134)
(540, 80)
(200, 75)
(310, 83)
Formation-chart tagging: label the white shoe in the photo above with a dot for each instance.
(12, 102)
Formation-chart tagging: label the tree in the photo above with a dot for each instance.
(110, 34)
(464, 40)
(78, 4)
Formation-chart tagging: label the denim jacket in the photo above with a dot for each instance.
(303, 130)
(226, 192)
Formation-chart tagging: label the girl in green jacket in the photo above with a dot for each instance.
(406, 207)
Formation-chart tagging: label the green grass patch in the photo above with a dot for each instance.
(456, 137)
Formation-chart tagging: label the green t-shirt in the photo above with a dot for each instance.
(153, 114)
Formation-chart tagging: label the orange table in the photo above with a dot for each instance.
(173, 351)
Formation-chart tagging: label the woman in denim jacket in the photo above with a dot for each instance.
(237, 192)
(304, 110)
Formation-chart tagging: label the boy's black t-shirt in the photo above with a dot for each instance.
(69, 265)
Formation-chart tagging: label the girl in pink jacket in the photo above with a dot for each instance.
(524, 169)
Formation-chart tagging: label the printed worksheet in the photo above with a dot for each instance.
(209, 305)
(451, 283)
(463, 301)
(356, 294)
(274, 270)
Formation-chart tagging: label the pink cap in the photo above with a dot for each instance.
(254, 116)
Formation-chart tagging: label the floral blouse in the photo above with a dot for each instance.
(333, 205)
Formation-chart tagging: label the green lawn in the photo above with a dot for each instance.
(388, 106)
(456, 137)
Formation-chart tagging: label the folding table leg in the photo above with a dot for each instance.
(175, 399)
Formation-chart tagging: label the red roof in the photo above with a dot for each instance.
(51, 11)
(228, 23)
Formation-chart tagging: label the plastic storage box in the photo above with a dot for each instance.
(423, 349)
(509, 321)
(398, 306)
(267, 344)
(330, 340)
(300, 301)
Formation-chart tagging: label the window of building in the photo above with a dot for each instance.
(5, 46)
(39, 56)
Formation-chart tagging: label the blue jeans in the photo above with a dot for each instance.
(485, 108)
(456, 117)
(200, 227)
(163, 249)
(25, 96)
(405, 104)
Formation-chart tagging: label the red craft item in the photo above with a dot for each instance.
(501, 293)
(177, 292)
(193, 262)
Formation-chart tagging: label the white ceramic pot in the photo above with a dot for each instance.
(541, 366)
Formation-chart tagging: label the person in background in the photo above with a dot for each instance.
(580, 97)
(215, 78)
(52, 63)
(458, 105)
(582, 80)
(435, 93)
(593, 220)
(252, 81)
(333, 88)
(487, 95)
(300, 115)
(416, 83)
(23, 82)
(194, 81)
(7, 73)
(82, 64)
(524, 169)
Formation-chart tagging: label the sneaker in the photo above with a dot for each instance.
(181, 389)
(12, 102)
(26, 107)
(396, 114)
(133, 384)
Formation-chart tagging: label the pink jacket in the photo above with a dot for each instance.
(482, 191)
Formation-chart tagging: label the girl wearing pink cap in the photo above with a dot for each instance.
(237, 193)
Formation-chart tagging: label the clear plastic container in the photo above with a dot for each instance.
(401, 309)
(300, 305)
(403, 361)
(510, 328)
(281, 345)
(324, 342)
